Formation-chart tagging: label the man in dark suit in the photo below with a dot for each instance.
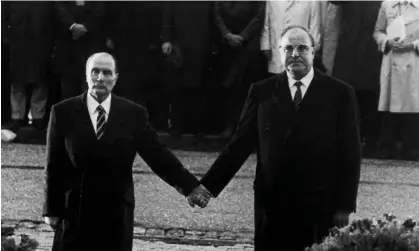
(80, 32)
(92, 141)
(304, 125)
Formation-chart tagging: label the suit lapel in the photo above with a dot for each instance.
(316, 93)
(83, 117)
(115, 120)
(282, 95)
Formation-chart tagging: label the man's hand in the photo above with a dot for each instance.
(267, 54)
(199, 196)
(166, 48)
(52, 221)
(78, 30)
(393, 44)
(234, 41)
(109, 43)
(341, 219)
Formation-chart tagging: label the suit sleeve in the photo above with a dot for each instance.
(65, 18)
(235, 154)
(57, 160)
(95, 21)
(349, 154)
(161, 160)
(254, 28)
(218, 19)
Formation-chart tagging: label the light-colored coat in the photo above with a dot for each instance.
(330, 24)
(279, 15)
(399, 78)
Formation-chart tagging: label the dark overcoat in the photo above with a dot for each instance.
(135, 31)
(71, 55)
(30, 32)
(237, 67)
(188, 25)
(358, 59)
(307, 160)
(89, 183)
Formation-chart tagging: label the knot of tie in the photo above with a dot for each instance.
(298, 84)
(100, 109)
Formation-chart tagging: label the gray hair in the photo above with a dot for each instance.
(291, 27)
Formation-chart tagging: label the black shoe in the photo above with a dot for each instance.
(14, 125)
(412, 155)
(177, 135)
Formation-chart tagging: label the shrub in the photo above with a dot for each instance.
(387, 234)
(18, 243)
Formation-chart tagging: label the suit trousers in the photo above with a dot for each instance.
(370, 117)
(38, 100)
(289, 230)
(401, 126)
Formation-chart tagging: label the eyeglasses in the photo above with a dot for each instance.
(301, 49)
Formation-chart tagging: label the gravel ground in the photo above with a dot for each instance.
(387, 186)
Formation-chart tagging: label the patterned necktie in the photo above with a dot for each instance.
(298, 97)
(101, 122)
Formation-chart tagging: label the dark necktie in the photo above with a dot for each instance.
(298, 97)
(101, 122)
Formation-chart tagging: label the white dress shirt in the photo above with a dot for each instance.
(92, 105)
(306, 81)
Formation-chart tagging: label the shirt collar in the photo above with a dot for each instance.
(306, 80)
(92, 104)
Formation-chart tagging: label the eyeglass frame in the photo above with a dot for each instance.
(304, 50)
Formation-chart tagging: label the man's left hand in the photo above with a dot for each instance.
(405, 47)
(199, 196)
(341, 219)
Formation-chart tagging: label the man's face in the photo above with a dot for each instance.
(297, 53)
(101, 75)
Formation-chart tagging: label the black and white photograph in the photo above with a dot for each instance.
(276, 125)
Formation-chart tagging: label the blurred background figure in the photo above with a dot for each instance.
(134, 39)
(186, 43)
(80, 32)
(239, 62)
(29, 35)
(399, 94)
(357, 62)
(281, 14)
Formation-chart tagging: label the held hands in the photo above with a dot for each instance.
(199, 196)
(52, 221)
(233, 40)
(397, 46)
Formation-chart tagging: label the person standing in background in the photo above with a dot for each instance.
(399, 94)
(134, 39)
(281, 14)
(186, 43)
(80, 33)
(357, 62)
(30, 34)
(238, 64)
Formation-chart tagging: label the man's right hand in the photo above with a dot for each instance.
(52, 221)
(166, 48)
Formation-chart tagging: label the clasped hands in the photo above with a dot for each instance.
(199, 196)
(399, 46)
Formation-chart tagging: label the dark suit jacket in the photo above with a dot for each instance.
(71, 55)
(89, 182)
(308, 158)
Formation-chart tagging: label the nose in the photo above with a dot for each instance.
(295, 53)
(100, 76)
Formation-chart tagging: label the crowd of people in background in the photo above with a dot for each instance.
(191, 63)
